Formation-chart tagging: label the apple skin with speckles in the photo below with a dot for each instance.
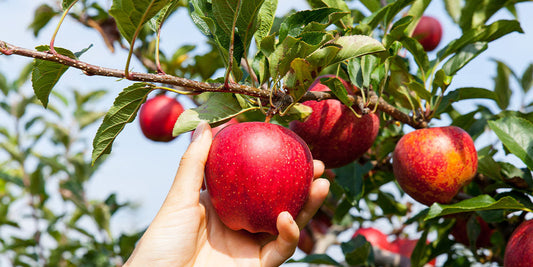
(432, 165)
(157, 117)
(519, 250)
(428, 32)
(256, 170)
(334, 134)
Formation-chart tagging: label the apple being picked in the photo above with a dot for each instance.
(519, 250)
(333, 132)
(428, 32)
(432, 165)
(157, 117)
(256, 170)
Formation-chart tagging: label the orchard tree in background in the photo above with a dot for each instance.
(263, 66)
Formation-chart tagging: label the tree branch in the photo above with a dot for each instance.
(199, 87)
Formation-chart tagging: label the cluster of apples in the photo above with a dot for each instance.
(249, 161)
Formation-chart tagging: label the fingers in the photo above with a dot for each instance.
(318, 192)
(318, 168)
(190, 175)
(279, 250)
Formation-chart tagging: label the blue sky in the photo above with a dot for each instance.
(141, 171)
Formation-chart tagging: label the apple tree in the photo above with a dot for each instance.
(370, 58)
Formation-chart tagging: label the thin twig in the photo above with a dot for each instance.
(199, 87)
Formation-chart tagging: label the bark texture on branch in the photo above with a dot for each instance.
(199, 87)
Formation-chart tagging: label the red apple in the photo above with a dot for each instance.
(376, 238)
(428, 32)
(306, 243)
(157, 117)
(405, 247)
(432, 165)
(519, 250)
(256, 170)
(459, 232)
(334, 134)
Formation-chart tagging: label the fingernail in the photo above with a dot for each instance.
(289, 216)
(200, 129)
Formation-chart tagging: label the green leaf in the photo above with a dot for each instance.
(291, 48)
(11, 178)
(515, 134)
(417, 50)
(218, 108)
(317, 259)
(463, 56)
(358, 251)
(46, 74)
(478, 203)
(66, 3)
(386, 14)
(453, 7)
(485, 33)
(102, 216)
(266, 17)
(476, 12)
(337, 87)
(339, 4)
(225, 12)
(4, 87)
(43, 14)
(465, 93)
(372, 5)
(502, 87)
(157, 21)
(315, 20)
(527, 79)
(299, 78)
(350, 179)
(123, 111)
(131, 15)
(344, 48)
(419, 89)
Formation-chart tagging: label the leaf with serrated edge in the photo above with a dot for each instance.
(479, 203)
(131, 15)
(266, 15)
(349, 47)
(46, 74)
(123, 111)
(515, 134)
(218, 108)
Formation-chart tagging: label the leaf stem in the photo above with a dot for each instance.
(56, 31)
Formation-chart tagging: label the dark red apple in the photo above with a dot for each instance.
(376, 238)
(334, 134)
(317, 227)
(459, 232)
(306, 243)
(157, 117)
(256, 170)
(519, 250)
(428, 32)
(432, 165)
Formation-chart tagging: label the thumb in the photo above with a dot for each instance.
(185, 189)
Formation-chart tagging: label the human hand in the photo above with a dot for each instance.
(187, 231)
